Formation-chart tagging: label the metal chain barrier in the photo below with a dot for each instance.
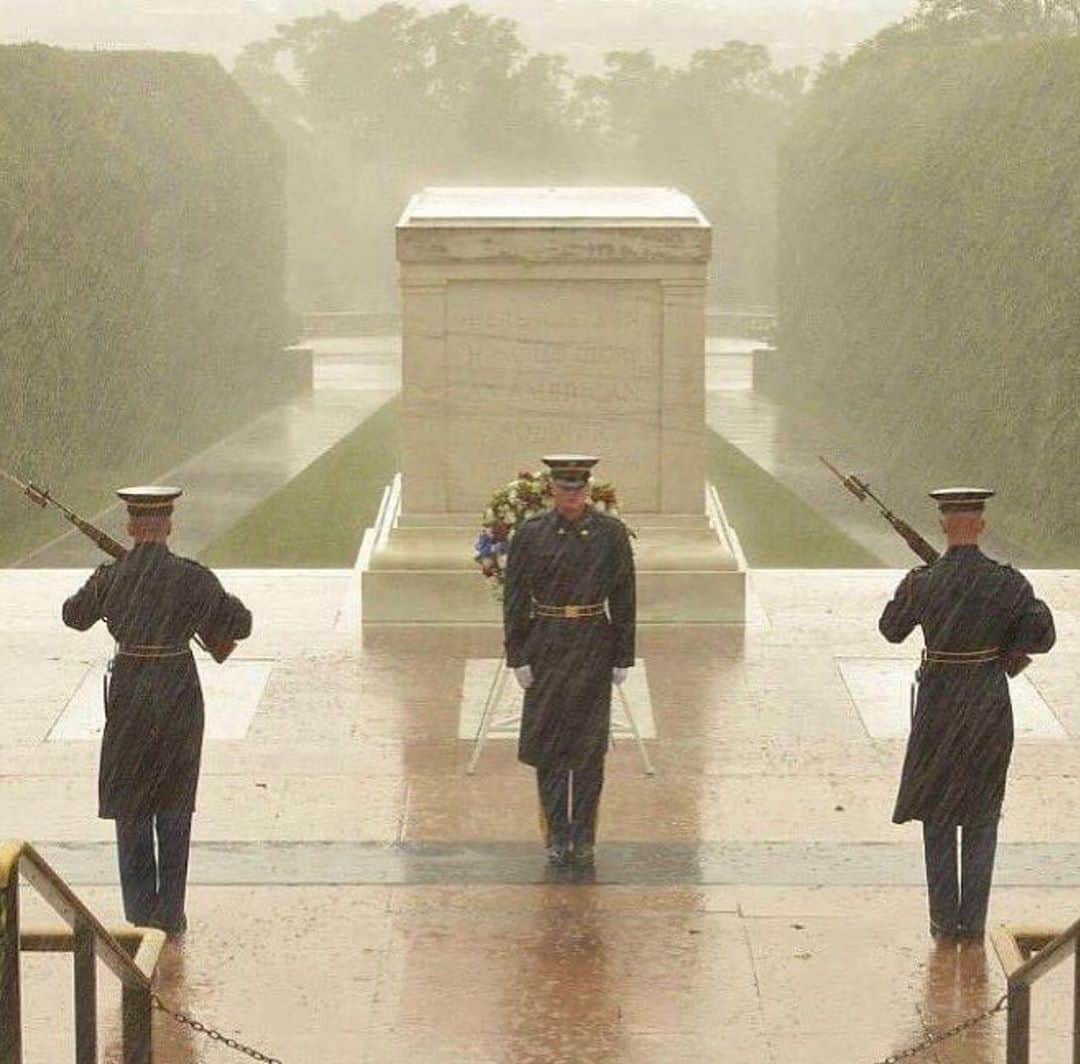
(949, 1032)
(216, 1036)
(933, 1039)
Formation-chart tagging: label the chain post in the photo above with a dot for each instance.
(85, 968)
(1076, 1003)
(138, 1038)
(10, 973)
(1018, 1036)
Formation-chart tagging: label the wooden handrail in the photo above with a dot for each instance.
(1027, 954)
(20, 856)
(85, 938)
(1014, 941)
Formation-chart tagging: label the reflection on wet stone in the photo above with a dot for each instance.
(355, 895)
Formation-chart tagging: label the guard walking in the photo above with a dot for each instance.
(569, 622)
(978, 617)
(154, 603)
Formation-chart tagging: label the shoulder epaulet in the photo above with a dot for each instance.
(1013, 573)
(605, 518)
(192, 563)
(1002, 565)
(912, 579)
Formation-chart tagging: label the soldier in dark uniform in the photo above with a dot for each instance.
(154, 603)
(569, 620)
(977, 615)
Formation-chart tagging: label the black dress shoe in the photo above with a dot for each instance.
(558, 856)
(584, 854)
(172, 930)
(939, 932)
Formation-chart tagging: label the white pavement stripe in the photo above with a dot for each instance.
(880, 688)
(232, 694)
(478, 676)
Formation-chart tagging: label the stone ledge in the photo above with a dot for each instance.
(424, 574)
(802, 863)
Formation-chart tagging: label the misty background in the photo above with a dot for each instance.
(375, 101)
(795, 31)
(895, 181)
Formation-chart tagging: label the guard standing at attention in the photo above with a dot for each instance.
(154, 603)
(976, 615)
(569, 622)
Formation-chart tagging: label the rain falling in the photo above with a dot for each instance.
(539, 532)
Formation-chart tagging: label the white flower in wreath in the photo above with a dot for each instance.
(600, 506)
(489, 515)
(500, 560)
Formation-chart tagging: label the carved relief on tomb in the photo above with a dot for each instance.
(536, 366)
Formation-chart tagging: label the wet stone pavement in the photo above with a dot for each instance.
(356, 897)
(351, 378)
(786, 444)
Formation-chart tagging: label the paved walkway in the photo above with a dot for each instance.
(352, 379)
(786, 444)
(357, 898)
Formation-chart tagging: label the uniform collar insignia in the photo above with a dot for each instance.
(583, 526)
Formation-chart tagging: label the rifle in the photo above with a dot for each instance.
(42, 497)
(1015, 661)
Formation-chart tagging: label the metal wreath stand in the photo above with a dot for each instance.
(488, 720)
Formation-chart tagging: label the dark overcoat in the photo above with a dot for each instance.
(152, 744)
(566, 717)
(962, 728)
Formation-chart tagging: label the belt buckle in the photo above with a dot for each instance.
(572, 611)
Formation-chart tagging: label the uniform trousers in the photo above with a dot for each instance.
(154, 887)
(570, 801)
(959, 905)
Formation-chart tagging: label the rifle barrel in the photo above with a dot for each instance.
(829, 466)
(11, 478)
(852, 483)
(33, 494)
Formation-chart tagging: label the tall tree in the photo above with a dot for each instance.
(955, 22)
(377, 106)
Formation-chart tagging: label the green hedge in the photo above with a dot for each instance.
(141, 269)
(929, 265)
(776, 529)
(317, 520)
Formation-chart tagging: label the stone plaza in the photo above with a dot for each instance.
(540, 320)
(357, 896)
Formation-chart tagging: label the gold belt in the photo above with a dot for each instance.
(150, 651)
(961, 657)
(591, 609)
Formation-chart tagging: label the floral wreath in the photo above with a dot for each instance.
(526, 496)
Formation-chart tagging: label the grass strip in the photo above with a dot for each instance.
(776, 528)
(317, 520)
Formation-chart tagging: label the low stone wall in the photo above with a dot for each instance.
(324, 324)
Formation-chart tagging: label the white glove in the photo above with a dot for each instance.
(618, 676)
(523, 675)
